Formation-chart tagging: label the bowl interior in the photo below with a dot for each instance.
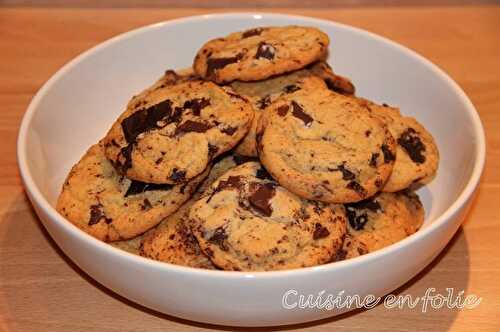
(76, 108)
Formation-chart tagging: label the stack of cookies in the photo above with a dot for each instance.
(258, 158)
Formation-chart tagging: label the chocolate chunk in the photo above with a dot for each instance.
(353, 185)
(264, 102)
(332, 85)
(138, 187)
(126, 154)
(196, 105)
(97, 214)
(218, 238)
(356, 212)
(214, 64)
(263, 174)
(339, 86)
(239, 159)
(410, 141)
(176, 114)
(192, 126)
(368, 133)
(320, 231)
(233, 182)
(388, 154)
(212, 150)
(299, 113)
(260, 200)
(265, 50)
(178, 175)
(229, 130)
(145, 120)
(283, 110)
(346, 174)
(291, 88)
(356, 221)
(252, 32)
(373, 159)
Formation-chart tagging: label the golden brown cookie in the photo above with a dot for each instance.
(247, 222)
(110, 207)
(417, 155)
(381, 221)
(173, 242)
(259, 53)
(324, 146)
(175, 131)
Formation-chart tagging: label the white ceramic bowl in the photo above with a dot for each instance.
(78, 104)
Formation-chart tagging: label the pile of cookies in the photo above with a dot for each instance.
(258, 158)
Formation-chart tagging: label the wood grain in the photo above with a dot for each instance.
(40, 289)
(236, 4)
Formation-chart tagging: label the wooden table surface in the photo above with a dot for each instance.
(40, 289)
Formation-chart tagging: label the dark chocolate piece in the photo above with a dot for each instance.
(320, 231)
(196, 105)
(283, 110)
(218, 238)
(264, 102)
(97, 214)
(192, 126)
(373, 159)
(410, 141)
(265, 50)
(346, 174)
(145, 120)
(299, 113)
(178, 175)
(263, 174)
(138, 187)
(239, 159)
(291, 88)
(388, 154)
(214, 64)
(260, 200)
(252, 32)
(353, 185)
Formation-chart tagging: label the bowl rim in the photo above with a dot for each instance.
(35, 194)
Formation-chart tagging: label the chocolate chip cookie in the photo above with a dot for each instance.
(174, 132)
(417, 156)
(110, 207)
(173, 242)
(323, 146)
(381, 221)
(247, 222)
(259, 53)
